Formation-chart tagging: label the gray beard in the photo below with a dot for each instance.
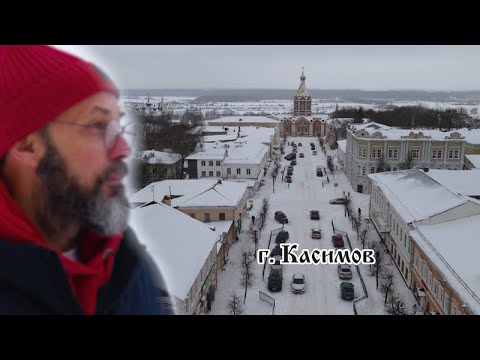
(64, 202)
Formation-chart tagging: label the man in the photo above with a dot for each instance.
(65, 247)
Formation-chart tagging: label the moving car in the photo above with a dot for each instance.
(339, 201)
(301, 155)
(344, 271)
(314, 215)
(346, 290)
(281, 217)
(314, 152)
(319, 172)
(316, 233)
(298, 283)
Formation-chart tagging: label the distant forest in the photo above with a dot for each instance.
(410, 117)
(358, 96)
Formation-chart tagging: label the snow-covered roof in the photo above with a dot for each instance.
(225, 194)
(210, 154)
(192, 192)
(290, 117)
(213, 129)
(339, 121)
(221, 138)
(243, 119)
(414, 195)
(393, 133)
(178, 243)
(474, 159)
(465, 182)
(342, 144)
(453, 247)
(246, 152)
(159, 157)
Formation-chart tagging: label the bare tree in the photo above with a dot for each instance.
(264, 212)
(378, 268)
(395, 305)
(407, 163)
(363, 235)
(248, 257)
(381, 164)
(387, 284)
(234, 305)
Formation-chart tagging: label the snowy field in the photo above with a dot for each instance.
(305, 193)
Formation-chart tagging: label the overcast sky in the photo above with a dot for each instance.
(379, 67)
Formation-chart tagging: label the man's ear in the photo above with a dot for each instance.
(28, 151)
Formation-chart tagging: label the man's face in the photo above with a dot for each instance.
(79, 176)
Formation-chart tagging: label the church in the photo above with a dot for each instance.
(303, 123)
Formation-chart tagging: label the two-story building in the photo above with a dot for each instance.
(372, 146)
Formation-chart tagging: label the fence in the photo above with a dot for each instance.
(267, 299)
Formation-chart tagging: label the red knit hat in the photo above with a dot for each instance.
(37, 84)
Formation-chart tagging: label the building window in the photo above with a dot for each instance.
(436, 154)
(238, 171)
(440, 294)
(203, 163)
(429, 278)
(362, 152)
(248, 171)
(206, 217)
(372, 170)
(406, 273)
(229, 171)
(218, 174)
(446, 300)
(453, 153)
(204, 173)
(210, 173)
(358, 170)
(221, 216)
(192, 215)
(415, 153)
(435, 287)
(363, 170)
(392, 153)
(455, 309)
(210, 163)
(218, 163)
(376, 153)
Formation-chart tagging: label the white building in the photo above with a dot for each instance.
(188, 253)
(368, 143)
(402, 200)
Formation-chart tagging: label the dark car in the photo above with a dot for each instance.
(288, 179)
(312, 144)
(313, 147)
(277, 251)
(347, 292)
(299, 144)
(301, 155)
(289, 157)
(281, 217)
(293, 162)
(339, 201)
(314, 215)
(275, 280)
(290, 171)
(337, 241)
(319, 172)
(282, 237)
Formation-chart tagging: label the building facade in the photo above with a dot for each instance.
(373, 146)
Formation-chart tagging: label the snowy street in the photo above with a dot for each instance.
(305, 193)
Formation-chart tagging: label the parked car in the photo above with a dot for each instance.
(281, 217)
(312, 147)
(314, 152)
(290, 171)
(301, 155)
(316, 233)
(337, 241)
(293, 162)
(344, 271)
(319, 172)
(298, 283)
(275, 280)
(312, 144)
(299, 144)
(346, 290)
(277, 251)
(314, 215)
(288, 179)
(282, 236)
(276, 265)
(339, 201)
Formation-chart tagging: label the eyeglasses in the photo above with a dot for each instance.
(111, 130)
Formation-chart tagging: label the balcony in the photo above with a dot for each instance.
(379, 223)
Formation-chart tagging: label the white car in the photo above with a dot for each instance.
(316, 234)
(298, 283)
(314, 152)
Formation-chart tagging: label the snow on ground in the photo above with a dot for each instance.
(305, 193)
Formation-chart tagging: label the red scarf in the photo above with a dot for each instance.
(96, 252)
